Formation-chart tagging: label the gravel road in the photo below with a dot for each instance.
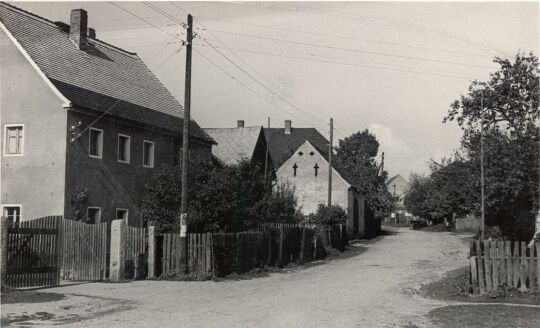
(373, 285)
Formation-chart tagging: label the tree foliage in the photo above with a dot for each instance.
(508, 103)
(356, 155)
(221, 198)
(328, 215)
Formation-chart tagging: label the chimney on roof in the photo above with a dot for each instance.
(78, 27)
(240, 123)
(91, 33)
(288, 126)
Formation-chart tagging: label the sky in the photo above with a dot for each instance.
(390, 67)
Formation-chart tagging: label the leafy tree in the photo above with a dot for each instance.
(221, 198)
(511, 141)
(356, 154)
(280, 205)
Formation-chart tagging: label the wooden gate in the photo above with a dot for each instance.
(135, 253)
(33, 253)
(85, 250)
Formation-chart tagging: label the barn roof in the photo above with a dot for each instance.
(234, 144)
(99, 77)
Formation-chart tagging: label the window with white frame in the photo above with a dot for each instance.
(121, 214)
(12, 213)
(14, 140)
(148, 153)
(93, 214)
(124, 145)
(95, 145)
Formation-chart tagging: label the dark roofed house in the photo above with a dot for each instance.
(300, 156)
(82, 115)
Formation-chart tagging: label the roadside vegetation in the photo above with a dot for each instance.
(222, 198)
(511, 120)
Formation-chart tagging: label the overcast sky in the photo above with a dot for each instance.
(390, 67)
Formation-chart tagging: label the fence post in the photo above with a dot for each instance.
(118, 240)
(302, 242)
(280, 245)
(3, 248)
(151, 252)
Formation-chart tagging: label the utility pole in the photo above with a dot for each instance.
(330, 150)
(482, 163)
(185, 142)
(266, 156)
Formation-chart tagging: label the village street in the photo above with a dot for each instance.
(374, 286)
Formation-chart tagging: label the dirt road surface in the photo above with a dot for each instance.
(374, 285)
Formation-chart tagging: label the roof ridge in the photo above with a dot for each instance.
(56, 24)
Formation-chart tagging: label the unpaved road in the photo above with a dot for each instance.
(373, 286)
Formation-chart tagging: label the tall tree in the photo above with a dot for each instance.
(511, 118)
(356, 154)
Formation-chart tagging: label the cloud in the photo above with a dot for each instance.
(399, 156)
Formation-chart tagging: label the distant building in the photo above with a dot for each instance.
(236, 144)
(80, 114)
(397, 186)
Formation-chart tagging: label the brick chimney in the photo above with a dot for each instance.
(288, 126)
(91, 33)
(78, 27)
(240, 123)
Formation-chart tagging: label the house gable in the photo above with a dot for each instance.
(311, 189)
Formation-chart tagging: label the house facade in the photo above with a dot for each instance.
(397, 186)
(85, 125)
(300, 156)
(307, 170)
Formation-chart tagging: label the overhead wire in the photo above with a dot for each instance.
(351, 49)
(239, 81)
(343, 37)
(264, 78)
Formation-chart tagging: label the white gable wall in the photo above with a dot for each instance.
(310, 189)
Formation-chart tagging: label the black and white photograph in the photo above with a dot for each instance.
(268, 164)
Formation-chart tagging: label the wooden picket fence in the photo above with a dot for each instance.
(135, 253)
(33, 251)
(85, 247)
(172, 254)
(200, 249)
(270, 244)
(504, 263)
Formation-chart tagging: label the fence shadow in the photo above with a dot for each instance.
(30, 296)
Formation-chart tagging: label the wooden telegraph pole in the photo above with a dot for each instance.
(330, 150)
(266, 156)
(185, 143)
(482, 164)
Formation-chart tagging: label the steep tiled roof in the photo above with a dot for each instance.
(234, 144)
(282, 146)
(98, 75)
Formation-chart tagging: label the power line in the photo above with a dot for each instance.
(142, 19)
(257, 81)
(345, 37)
(263, 77)
(311, 54)
(164, 13)
(240, 82)
(356, 65)
(350, 49)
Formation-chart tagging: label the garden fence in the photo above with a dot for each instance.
(495, 264)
